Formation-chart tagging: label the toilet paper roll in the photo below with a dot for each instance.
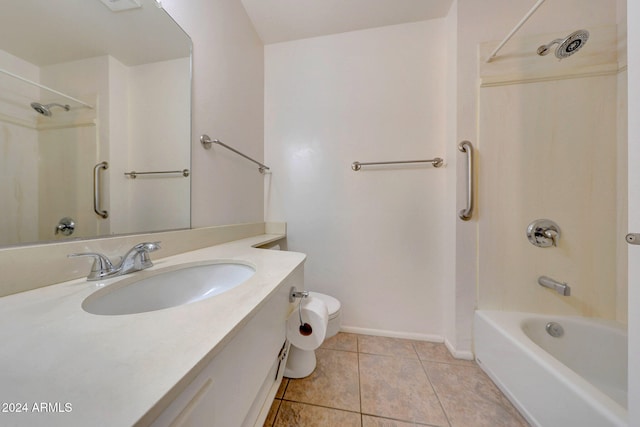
(315, 313)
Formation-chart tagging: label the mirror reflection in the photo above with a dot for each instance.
(91, 91)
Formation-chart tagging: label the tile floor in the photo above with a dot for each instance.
(368, 381)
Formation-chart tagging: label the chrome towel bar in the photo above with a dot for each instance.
(134, 174)
(437, 162)
(206, 143)
(466, 147)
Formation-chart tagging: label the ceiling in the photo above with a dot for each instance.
(284, 20)
(45, 32)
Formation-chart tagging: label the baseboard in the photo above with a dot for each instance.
(464, 355)
(392, 334)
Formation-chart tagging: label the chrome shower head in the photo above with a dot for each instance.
(45, 110)
(568, 46)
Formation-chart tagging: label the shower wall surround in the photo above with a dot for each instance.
(19, 148)
(550, 130)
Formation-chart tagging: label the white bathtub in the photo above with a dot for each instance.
(579, 379)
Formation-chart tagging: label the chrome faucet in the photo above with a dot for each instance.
(562, 288)
(135, 260)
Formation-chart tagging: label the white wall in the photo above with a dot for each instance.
(374, 238)
(228, 105)
(158, 148)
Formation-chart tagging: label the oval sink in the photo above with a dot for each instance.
(179, 286)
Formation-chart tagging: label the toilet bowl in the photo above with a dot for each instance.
(335, 312)
(301, 363)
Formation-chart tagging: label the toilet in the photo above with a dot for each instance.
(301, 363)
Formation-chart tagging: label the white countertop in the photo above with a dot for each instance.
(92, 370)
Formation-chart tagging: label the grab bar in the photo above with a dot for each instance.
(436, 162)
(466, 147)
(134, 174)
(206, 143)
(96, 189)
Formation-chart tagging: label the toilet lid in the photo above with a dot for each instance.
(333, 305)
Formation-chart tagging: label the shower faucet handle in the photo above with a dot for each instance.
(543, 233)
(553, 235)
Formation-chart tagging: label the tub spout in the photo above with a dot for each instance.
(562, 288)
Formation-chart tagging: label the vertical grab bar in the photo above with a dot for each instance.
(466, 147)
(96, 189)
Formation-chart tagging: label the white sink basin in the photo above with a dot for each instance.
(181, 285)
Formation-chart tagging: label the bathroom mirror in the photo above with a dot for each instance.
(91, 91)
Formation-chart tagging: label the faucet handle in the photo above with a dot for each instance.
(102, 266)
(147, 246)
(553, 235)
(141, 259)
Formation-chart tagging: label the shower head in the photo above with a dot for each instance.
(45, 110)
(568, 46)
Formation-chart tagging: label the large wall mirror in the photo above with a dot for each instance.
(91, 91)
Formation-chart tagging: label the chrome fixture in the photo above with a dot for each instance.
(294, 293)
(45, 110)
(97, 206)
(48, 89)
(554, 329)
(134, 174)
(135, 260)
(567, 46)
(562, 288)
(515, 29)
(543, 233)
(304, 328)
(466, 213)
(436, 162)
(66, 226)
(633, 238)
(206, 143)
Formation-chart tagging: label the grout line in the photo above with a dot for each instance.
(275, 417)
(444, 411)
(359, 388)
(321, 406)
(402, 421)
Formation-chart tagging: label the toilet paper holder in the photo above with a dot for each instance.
(294, 293)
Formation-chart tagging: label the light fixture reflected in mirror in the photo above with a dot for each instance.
(121, 5)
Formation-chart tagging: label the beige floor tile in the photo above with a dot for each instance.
(341, 341)
(273, 411)
(386, 346)
(334, 383)
(437, 352)
(398, 388)
(292, 414)
(470, 398)
(282, 388)
(369, 421)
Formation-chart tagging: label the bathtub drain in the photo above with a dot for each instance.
(554, 329)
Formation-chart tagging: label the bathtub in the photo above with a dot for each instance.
(578, 379)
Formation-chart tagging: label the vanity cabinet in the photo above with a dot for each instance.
(237, 387)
